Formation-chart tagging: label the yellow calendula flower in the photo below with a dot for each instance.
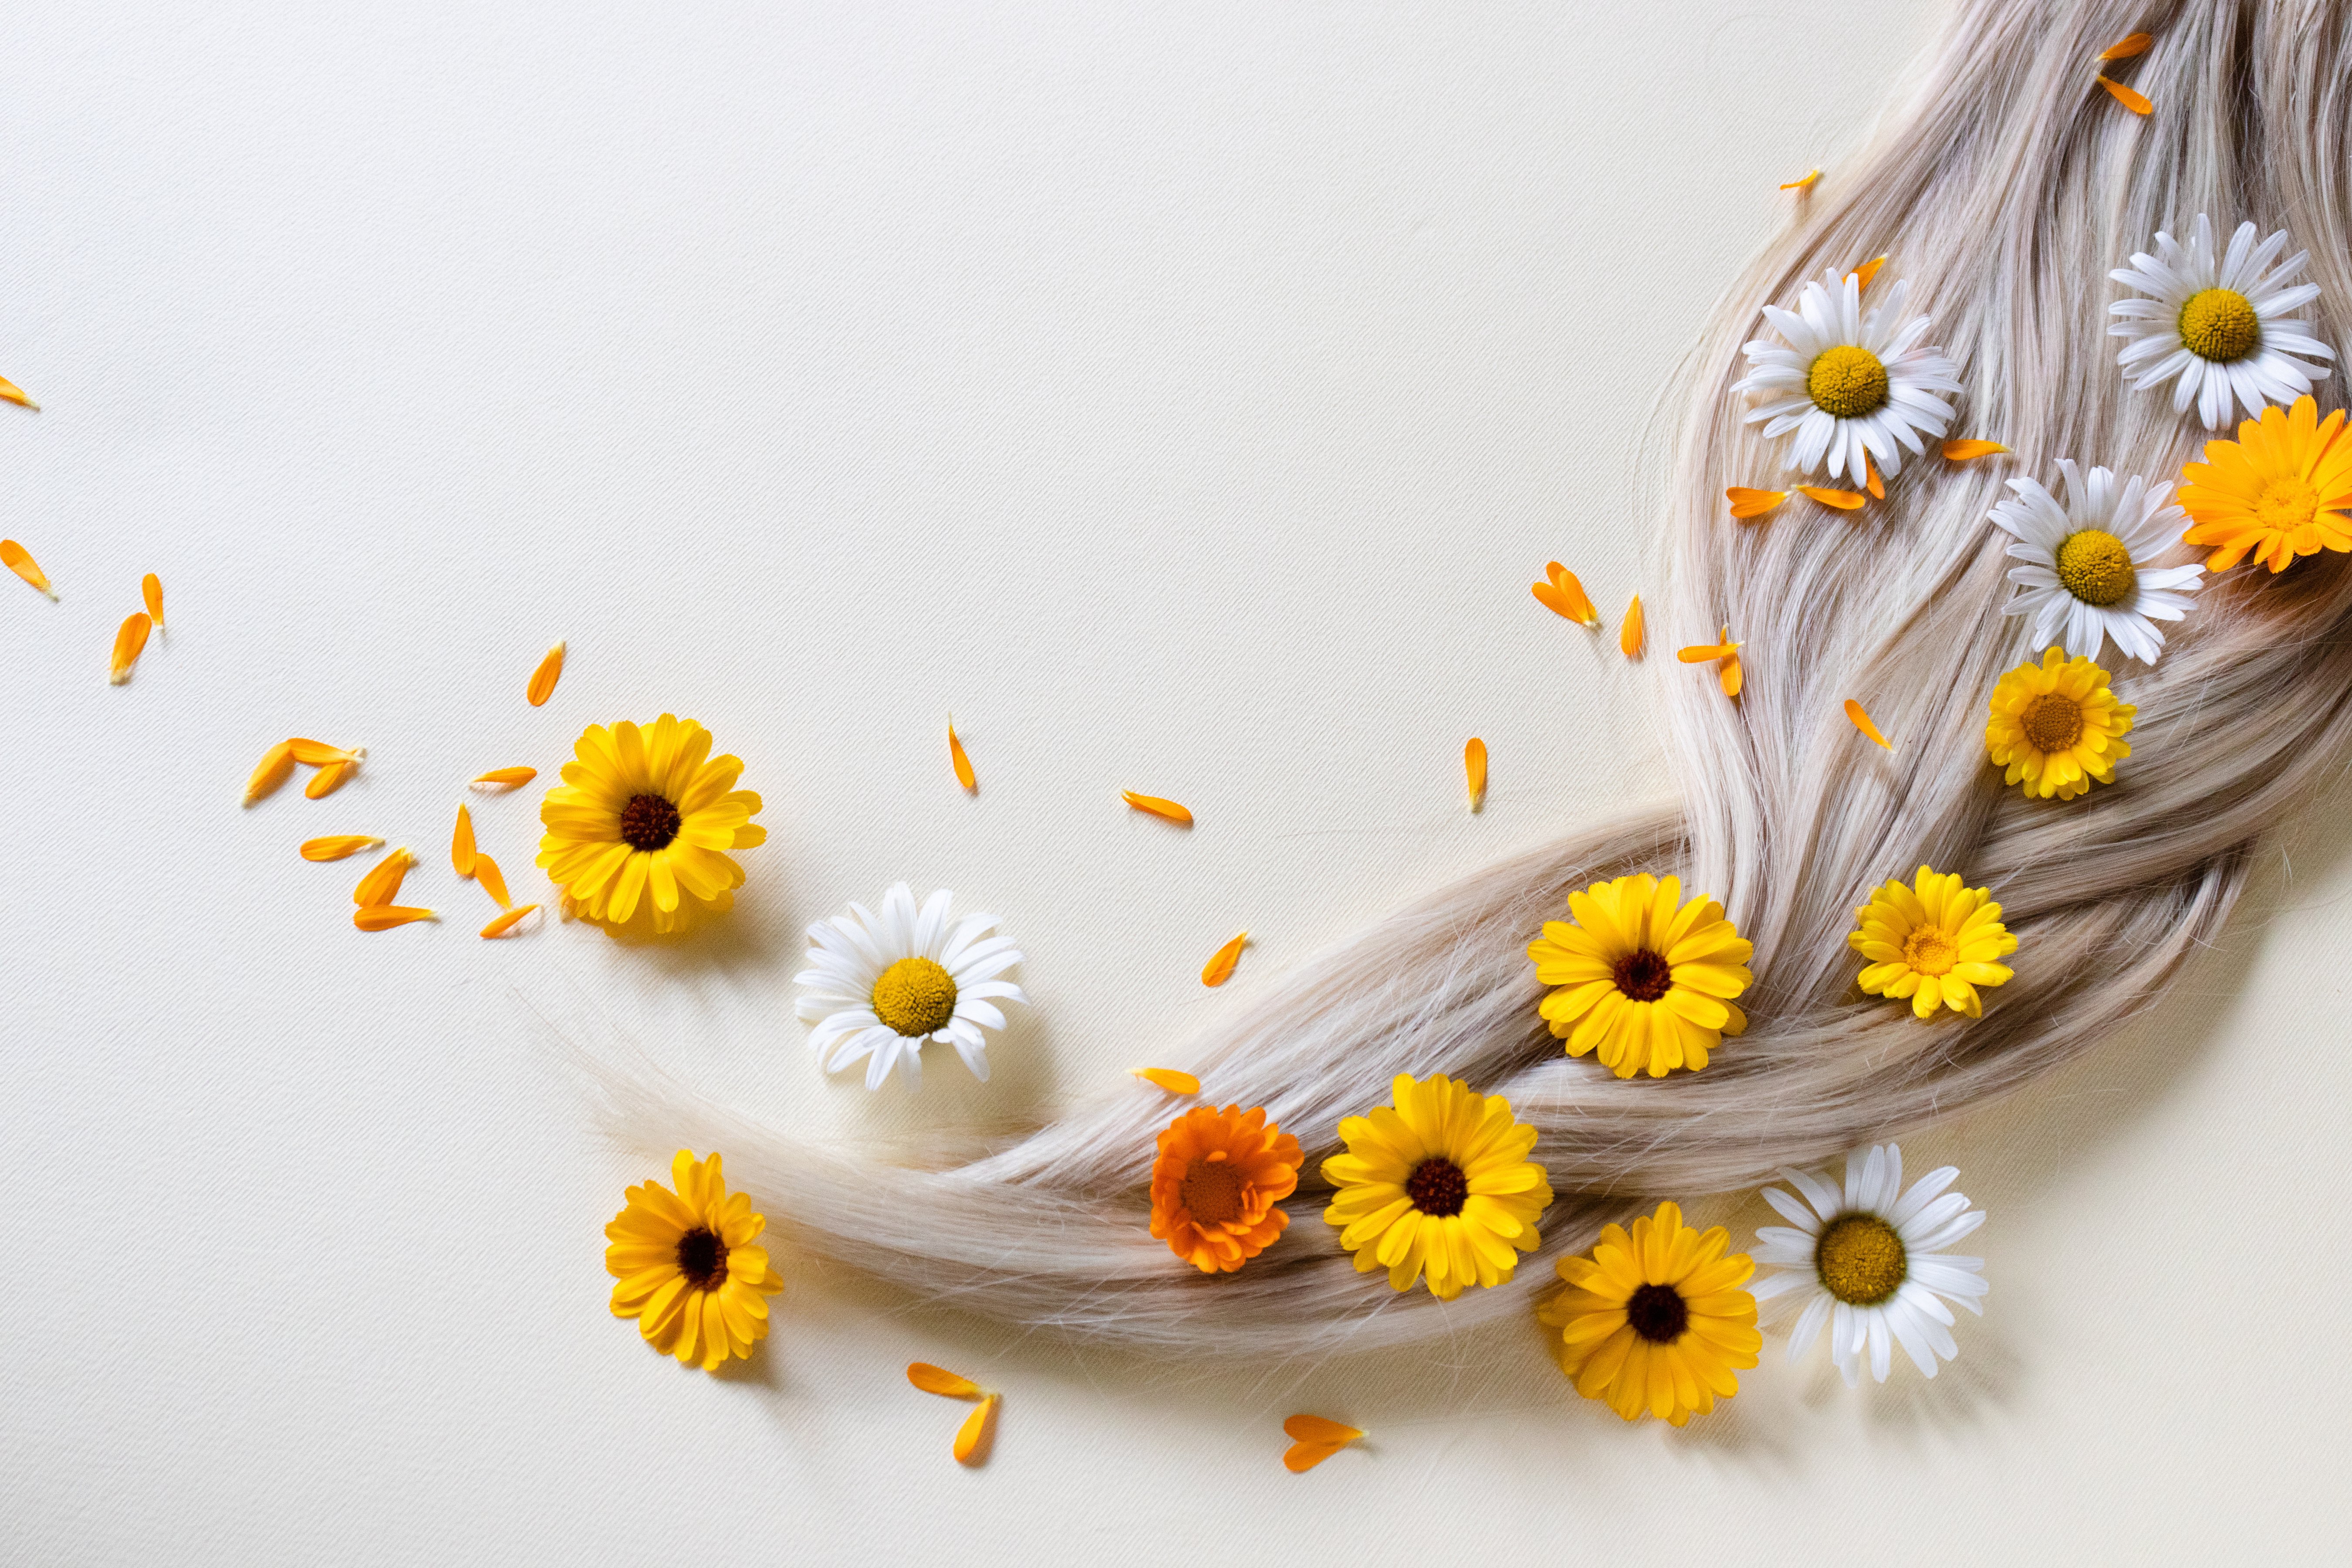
(1645, 979)
(1655, 1322)
(2056, 726)
(2281, 489)
(1933, 942)
(636, 832)
(688, 1271)
(1439, 1182)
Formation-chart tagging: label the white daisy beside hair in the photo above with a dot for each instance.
(878, 987)
(1846, 382)
(2221, 322)
(1868, 1262)
(2086, 575)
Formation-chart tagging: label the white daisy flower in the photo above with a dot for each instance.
(1866, 1262)
(2220, 323)
(2086, 575)
(881, 985)
(1848, 383)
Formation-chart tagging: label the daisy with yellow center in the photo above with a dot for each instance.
(2281, 489)
(1439, 1182)
(2056, 726)
(1214, 1186)
(688, 1271)
(637, 833)
(2220, 322)
(2088, 569)
(1852, 387)
(1933, 942)
(1644, 979)
(1655, 1322)
(878, 987)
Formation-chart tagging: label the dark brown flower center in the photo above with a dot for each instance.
(1658, 1313)
(702, 1258)
(1643, 975)
(1212, 1192)
(648, 823)
(1437, 1186)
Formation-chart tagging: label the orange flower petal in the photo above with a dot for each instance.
(493, 881)
(328, 780)
(1157, 807)
(1731, 675)
(1961, 451)
(1563, 596)
(1707, 653)
(275, 766)
(15, 394)
(337, 846)
(317, 753)
(1862, 722)
(972, 1439)
(2127, 46)
(381, 885)
(506, 778)
(461, 843)
(383, 917)
(1746, 503)
(1805, 184)
(544, 679)
(1219, 967)
(940, 1381)
(1169, 1078)
(1844, 500)
(1865, 272)
(507, 922)
(1474, 769)
(1316, 1429)
(130, 641)
(1301, 1457)
(20, 560)
(1876, 486)
(151, 589)
(2130, 99)
(1629, 633)
(960, 760)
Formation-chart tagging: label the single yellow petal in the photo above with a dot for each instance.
(1707, 653)
(506, 778)
(1219, 967)
(2127, 46)
(337, 846)
(319, 755)
(1157, 807)
(2129, 98)
(1961, 451)
(960, 760)
(275, 766)
(151, 590)
(15, 394)
(1629, 633)
(461, 843)
(1844, 500)
(1746, 503)
(383, 917)
(940, 1380)
(493, 881)
(507, 922)
(20, 560)
(130, 641)
(973, 1438)
(381, 885)
(1853, 712)
(1871, 481)
(1301, 1457)
(1804, 184)
(1861, 275)
(1316, 1429)
(1730, 675)
(328, 780)
(1169, 1078)
(544, 679)
(1474, 769)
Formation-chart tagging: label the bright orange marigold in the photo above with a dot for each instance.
(1215, 1184)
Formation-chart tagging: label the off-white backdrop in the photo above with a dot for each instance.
(1184, 396)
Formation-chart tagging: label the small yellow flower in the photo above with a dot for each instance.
(1934, 941)
(1645, 979)
(637, 830)
(688, 1271)
(1439, 1182)
(2281, 489)
(1656, 1320)
(2056, 726)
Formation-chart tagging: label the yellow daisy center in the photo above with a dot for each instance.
(2285, 504)
(2097, 568)
(1930, 951)
(2220, 324)
(648, 823)
(1437, 1186)
(1643, 975)
(1861, 1261)
(702, 1258)
(2052, 722)
(1658, 1313)
(914, 996)
(1212, 1192)
(1847, 382)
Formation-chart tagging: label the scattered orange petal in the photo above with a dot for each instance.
(961, 760)
(1746, 503)
(493, 880)
(2129, 98)
(337, 846)
(1862, 722)
(275, 766)
(1219, 967)
(1157, 807)
(507, 922)
(1474, 769)
(1804, 185)
(1707, 653)
(940, 1381)
(544, 679)
(1301, 1457)
(1562, 594)
(317, 753)
(130, 641)
(1629, 633)
(328, 780)
(972, 1439)
(1844, 500)
(1876, 486)
(1316, 1429)
(2127, 46)
(381, 886)
(1731, 675)
(151, 588)
(20, 560)
(506, 778)
(1866, 270)
(383, 917)
(461, 843)
(15, 394)
(1169, 1078)
(1961, 451)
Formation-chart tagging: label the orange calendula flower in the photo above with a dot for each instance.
(1214, 1186)
(1561, 593)
(1655, 1323)
(2281, 489)
(688, 1271)
(637, 832)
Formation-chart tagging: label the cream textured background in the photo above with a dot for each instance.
(1183, 394)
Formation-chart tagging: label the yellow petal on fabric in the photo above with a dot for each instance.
(1219, 967)
(1844, 500)
(1474, 770)
(1961, 451)
(1871, 481)
(275, 766)
(1629, 633)
(507, 922)
(15, 394)
(1169, 1078)
(1746, 503)
(1853, 711)
(461, 843)
(506, 778)
(1866, 270)
(317, 753)
(493, 881)
(1561, 593)
(20, 560)
(974, 1438)
(130, 641)
(328, 780)
(940, 1381)
(1806, 184)
(1157, 807)
(961, 760)
(383, 917)
(544, 679)
(2129, 98)
(1301, 1457)
(337, 846)
(1316, 1429)
(2127, 46)
(151, 591)
(381, 885)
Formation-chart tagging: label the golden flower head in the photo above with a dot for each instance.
(1642, 978)
(1214, 1186)
(688, 1271)
(1933, 942)
(1439, 1182)
(636, 832)
(2056, 726)
(2281, 489)
(1655, 1322)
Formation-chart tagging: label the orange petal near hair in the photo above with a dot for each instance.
(544, 679)
(337, 846)
(1169, 1078)
(151, 589)
(328, 780)
(317, 753)
(381, 885)
(1876, 486)
(1746, 503)
(15, 394)
(1961, 451)
(275, 766)
(507, 922)
(1629, 633)
(1865, 272)
(1157, 807)
(2127, 97)
(493, 880)
(1563, 596)
(971, 1441)
(1474, 769)
(130, 641)
(461, 843)
(2127, 46)
(961, 760)
(383, 917)
(940, 1381)
(1804, 185)
(1844, 500)
(1219, 967)
(1707, 653)
(20, 560)
(1731, 675)
(506, 778)
(1861, 722)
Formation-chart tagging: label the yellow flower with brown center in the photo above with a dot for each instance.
(1439, 1182)
(1214, 1186)
(637, 833)
(2056, 726)
(1934, 941)
(2281, 489)
(1656, 1320)
(1644, 978)
(688, 1271)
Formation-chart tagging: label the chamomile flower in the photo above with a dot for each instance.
(878, 987)
(2086, 575)
(1848, 383)
(2221, 321)
(1869, 1262)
